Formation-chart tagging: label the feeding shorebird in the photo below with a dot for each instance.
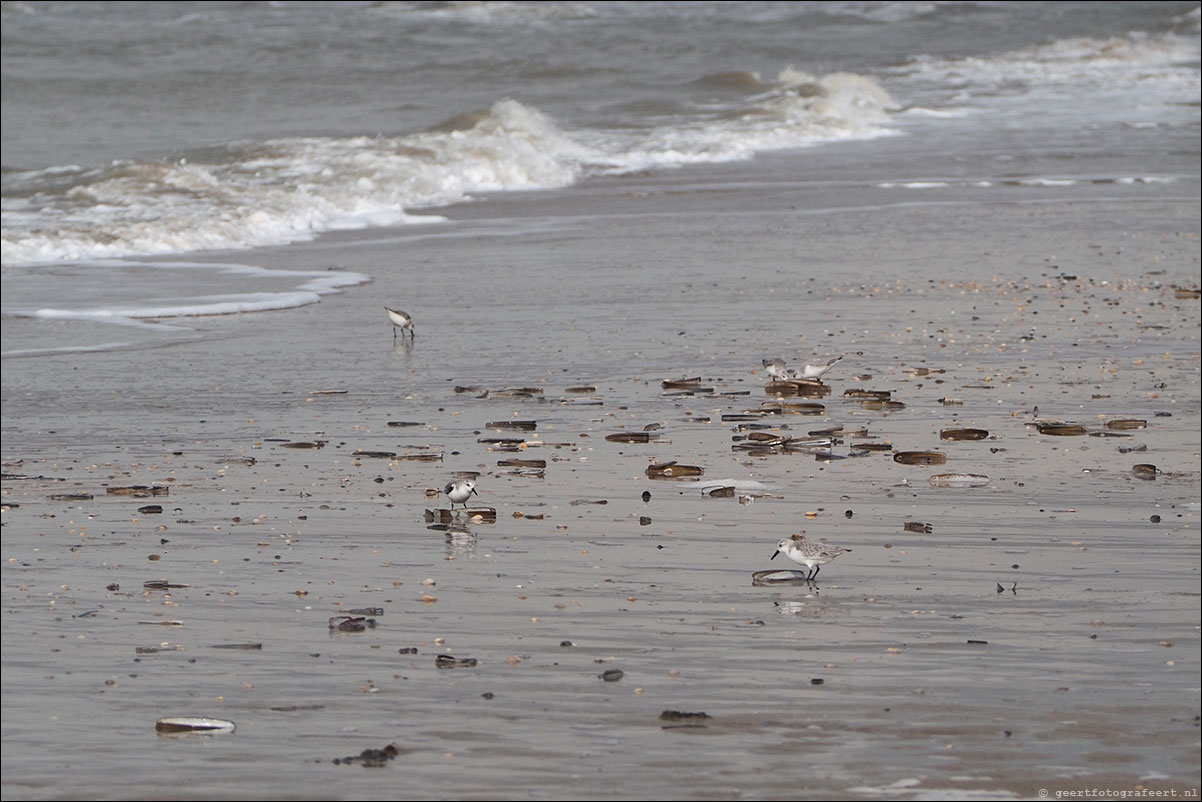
(776, 369)
(400, 320)
(807, 552)
(459, 491)
(816, 371)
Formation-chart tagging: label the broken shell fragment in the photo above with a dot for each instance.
(958, 480)
(676, 719)
(672, 470)
(523, 425)
(612, 674)
(447, 661)
(348, 623)
(963, 434)
(1126, 423)
(920, 457)
(919, 526)
(1144, 471)
(138, 491)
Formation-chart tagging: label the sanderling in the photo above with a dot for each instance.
(400, 320)
(810, 554)
(815, 371)
(459, 491)
(776, 369)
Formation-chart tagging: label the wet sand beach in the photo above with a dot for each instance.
(1038, 632)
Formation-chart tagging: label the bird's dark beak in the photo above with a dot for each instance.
(474, 493)
(773, 557)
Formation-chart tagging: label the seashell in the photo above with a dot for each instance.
(920, 457)
(1144, 471)
(138, 491)
(524, 425)
(629, 437)
(200, 724)
(779, 576)
(519, 392)
(796, 408)
(1062, 429)
(958, 480)
(878, 395)
(1126, 423)
(447, 661)
(963, 434)
(672, 470)
(522, 463)
(805, 389)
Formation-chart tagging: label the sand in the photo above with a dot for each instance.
(1043, 635)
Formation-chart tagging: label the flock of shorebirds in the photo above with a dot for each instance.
(812, 554)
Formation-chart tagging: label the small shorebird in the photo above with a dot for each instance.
(459, 491)
(776, 369)
(815, 371)
(400, 320)
(810, 554)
